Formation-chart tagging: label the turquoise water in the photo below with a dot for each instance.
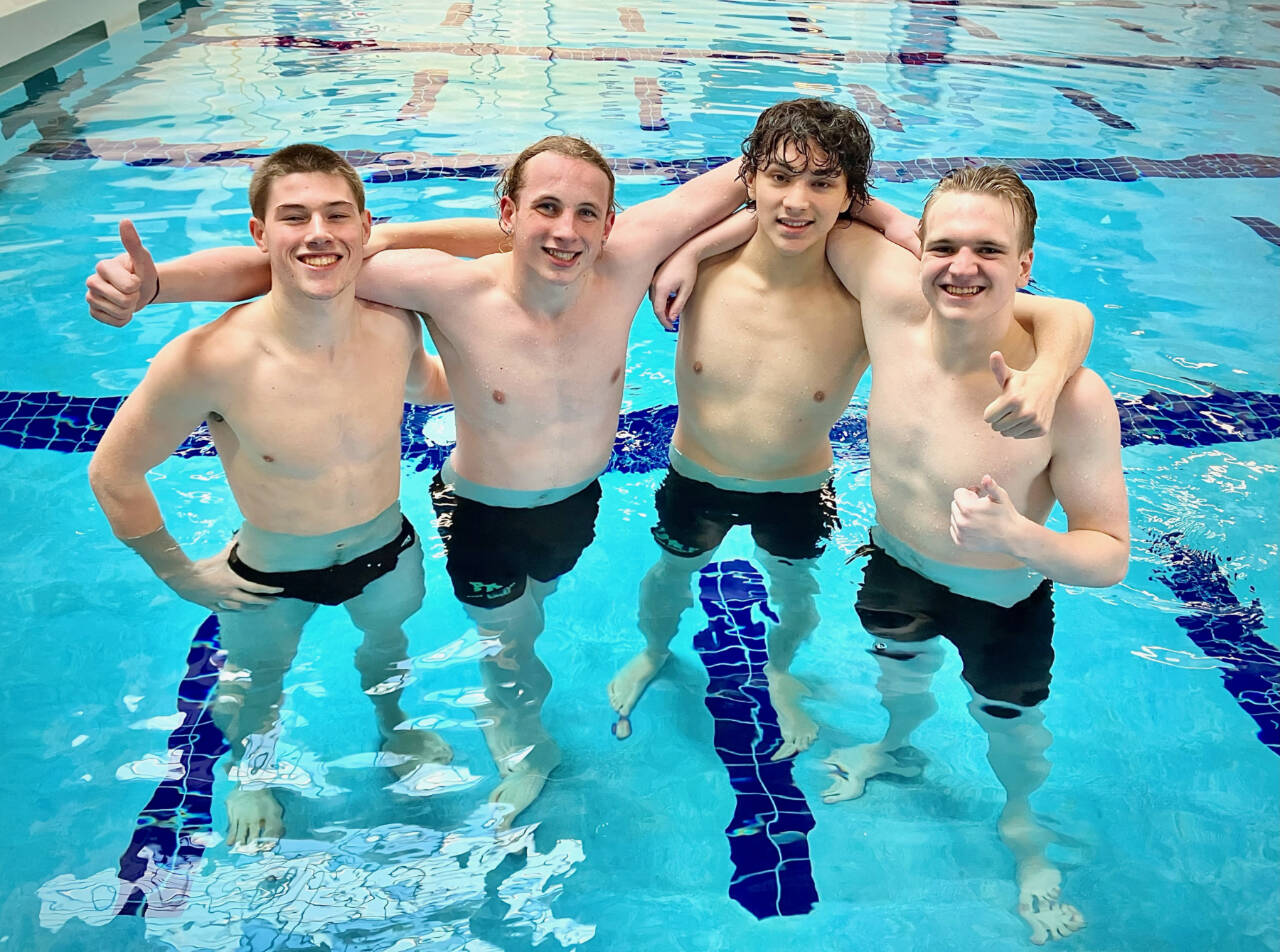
(1162, 798)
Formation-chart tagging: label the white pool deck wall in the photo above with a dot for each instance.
(37, 35)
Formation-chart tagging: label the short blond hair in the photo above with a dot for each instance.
(998, 180)
(572, 147)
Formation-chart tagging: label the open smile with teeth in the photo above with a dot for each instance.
(794, 222)
(565, 257)
(958, 291)
(319, 261)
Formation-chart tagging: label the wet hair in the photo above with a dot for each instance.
(998, 180)
(814, 126)
(512, 180)
(302, 157)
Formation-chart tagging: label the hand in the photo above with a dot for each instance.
(118, 284)
(983, 519)
(211, 583)
(1024, 409)
(902, 230)
(379, 240)
(672, 285)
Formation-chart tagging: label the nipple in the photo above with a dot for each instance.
(819, 396)
(499, 397)
(697, 366)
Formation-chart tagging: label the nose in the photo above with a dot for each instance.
(564, 226)
(796, 197)
(964, 261)
(318, 230)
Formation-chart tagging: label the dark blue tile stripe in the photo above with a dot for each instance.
(1267, 230)
(167, 832)
(1089, 103)
(51, 421)
(381, 167)
(1224, 628)
(768, 835)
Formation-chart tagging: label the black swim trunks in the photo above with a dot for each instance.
(333, 584)
(694, 517)
(1007, 653)
(491, 551)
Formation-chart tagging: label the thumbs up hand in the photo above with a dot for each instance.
(983, 519)
(124, 284)
(1024, 409)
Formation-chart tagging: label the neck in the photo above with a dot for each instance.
(778, 269)
(307, 323)
(535, 295)
(964, 346)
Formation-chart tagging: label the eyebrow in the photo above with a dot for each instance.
(560, 201)
(295, 206)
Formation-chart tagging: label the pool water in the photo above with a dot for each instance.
(1147, 132)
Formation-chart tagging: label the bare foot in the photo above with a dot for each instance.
(525, 773)
(797, 727)
(854, 766)
(255, 820)
(407, 750)
(1039, 903)
(629, 683)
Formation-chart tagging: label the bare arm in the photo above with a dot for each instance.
(673, 282)
(897, 226)
(426, 383)
(155, 418)
(1088, 480)
(648, 233)
(464, 237)
(1062, 331)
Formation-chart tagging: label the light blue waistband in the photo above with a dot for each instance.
(270, 551)
(507, 498)
(1005, 587)
(740, 484)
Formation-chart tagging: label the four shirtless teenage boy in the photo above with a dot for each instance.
(533, 341)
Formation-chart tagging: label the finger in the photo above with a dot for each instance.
(257, 588)
(130, 240)
(678, 300)
(997, 410)
(993, 490)
(107, 316)
(955, 532)
(999, 368)
(143, 266)
(1026, 430)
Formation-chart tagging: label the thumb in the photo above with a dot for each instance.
(992, 490)
(999, 368)
(139, 257)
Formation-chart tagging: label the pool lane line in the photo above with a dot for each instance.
(769, 832)
(1264, 229)
(175, 826)
(409, 166)
(689, 56)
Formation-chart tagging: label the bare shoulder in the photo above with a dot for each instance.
(870, 265)
(1085, 409)
(397, 314)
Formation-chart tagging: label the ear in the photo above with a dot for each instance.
(608, 223)
(1024, 267)
(258, 230)
(366, 221)
(506, 213)
(749, 178)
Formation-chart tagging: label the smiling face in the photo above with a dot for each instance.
(560, 217)
(798, 198)
(972, 262)
(313, 233)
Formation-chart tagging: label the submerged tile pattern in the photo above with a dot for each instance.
(1267, 230)
(1089, 103)
(407, 166)
(1226, 629)
(170, 832)
(768, 835)
(692, 55)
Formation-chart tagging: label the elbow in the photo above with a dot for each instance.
(1115, 568)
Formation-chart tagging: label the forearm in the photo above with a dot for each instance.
(884, 217)
(135, 519)
(232, 273)
(1088, 557)
(429, 385)
(1062, 331)
(724, 236)
(461, 237)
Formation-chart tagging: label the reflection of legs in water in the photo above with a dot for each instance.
(382, 660)
(665, 592)
(1017, 741)
(906, 675)
(260, 646)
(792, 585)
(516, 684)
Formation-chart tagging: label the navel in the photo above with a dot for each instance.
(616, 374)
(697, 366)
(819, 396)
(268, 459)
(499, 397)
